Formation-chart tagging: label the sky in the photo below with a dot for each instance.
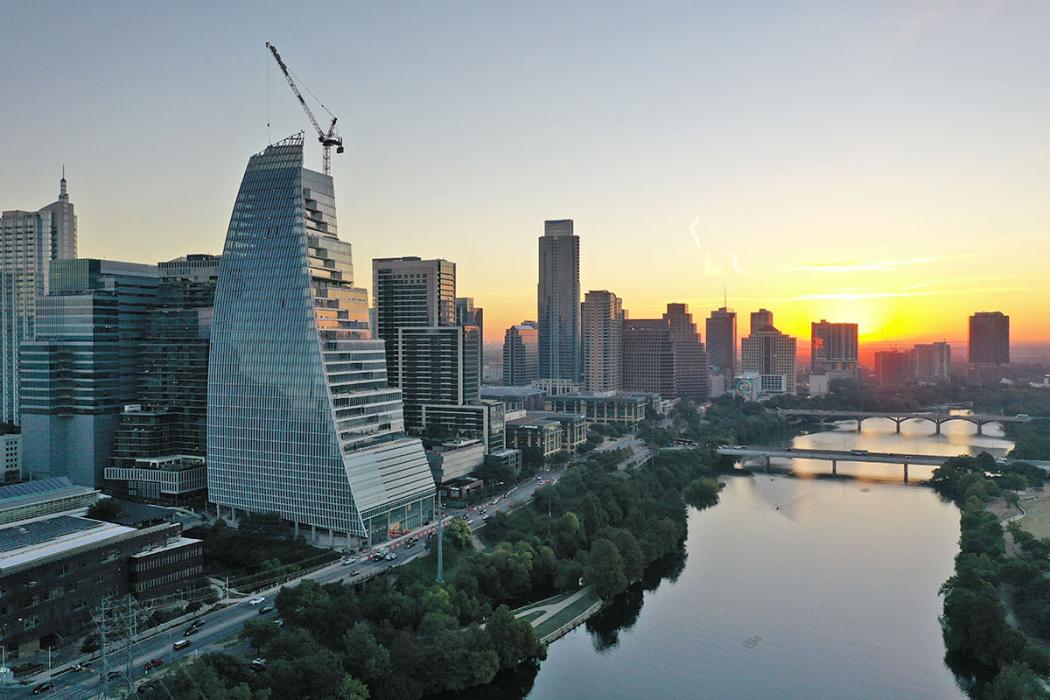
(884, 163)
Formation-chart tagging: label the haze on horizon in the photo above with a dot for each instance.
(884, 163)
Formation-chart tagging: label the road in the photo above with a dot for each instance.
(219, 626)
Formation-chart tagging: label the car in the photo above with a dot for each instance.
(266, 609)
(113, 674)
(355, 573)
(153, 663)
(539, 478)
(506, 495)
(78, 667)
(495, 501)
(147, 687)
(485, 517)
(391, 556)
(347, 561)
(257, 600)
(191, 630)
(279, 622)
(43, 687)
(258, 664)
(181, 644)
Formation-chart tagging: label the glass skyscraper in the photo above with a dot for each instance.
(301, 421)
(558, 301)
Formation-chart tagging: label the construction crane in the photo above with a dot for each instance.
(326, 138)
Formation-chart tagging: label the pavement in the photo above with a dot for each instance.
(221, 625)
(554, 608)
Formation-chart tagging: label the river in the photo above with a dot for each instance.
(788, 588)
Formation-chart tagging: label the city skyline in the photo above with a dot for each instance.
(838, 209)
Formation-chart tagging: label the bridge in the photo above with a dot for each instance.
(835, 456)
(938, 418)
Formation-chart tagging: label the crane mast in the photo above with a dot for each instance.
(328, 138)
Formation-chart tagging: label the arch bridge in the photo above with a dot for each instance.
(937, 418)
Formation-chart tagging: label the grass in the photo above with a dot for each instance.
(530, 616)
(1037, 521)
(567, 614)
(553, 600)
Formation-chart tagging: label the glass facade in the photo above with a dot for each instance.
(301, 421)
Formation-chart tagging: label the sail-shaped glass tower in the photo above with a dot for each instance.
(301, 420)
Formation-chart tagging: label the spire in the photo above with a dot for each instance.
(63, 195)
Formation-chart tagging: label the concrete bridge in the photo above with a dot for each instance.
(936, 417)
(835, 456)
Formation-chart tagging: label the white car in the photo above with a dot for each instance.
(256, 601)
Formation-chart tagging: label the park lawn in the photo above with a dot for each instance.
(567, 614)
(1037, 521)
(530, 616)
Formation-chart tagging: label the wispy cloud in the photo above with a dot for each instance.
(710, 269)
(692, 232)
(736, 265)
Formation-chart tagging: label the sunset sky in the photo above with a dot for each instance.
(886, 163)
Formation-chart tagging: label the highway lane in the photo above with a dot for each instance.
(221, 625)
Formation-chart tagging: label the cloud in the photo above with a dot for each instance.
(736, 265)
(692, 232)
(901, 294)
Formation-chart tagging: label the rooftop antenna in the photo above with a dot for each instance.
(63, 195)
(328, 138)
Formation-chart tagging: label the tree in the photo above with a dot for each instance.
(107, 509)
(364, 656)
(352, 689)
(604, 570)
(459, 534)
(513, 640)
(702, 493)
(1014, 682)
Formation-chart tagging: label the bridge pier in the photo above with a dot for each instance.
(768, 462)
(980, 428)
(834, 467)
(905, 473)
(938, 430)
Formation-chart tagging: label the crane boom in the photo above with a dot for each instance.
(328, 138)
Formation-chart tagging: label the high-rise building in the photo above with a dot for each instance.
(437, 365)
(690, 359)
(521, 354)
(409, 293)
(721, 342)
(932, 362)
(761, 319)
(84, 365)
(602, 336)
(892, 367)
(834, 349)
(29, 241)
(648, 356)
(558, 301)
(989, 338)
(161, 440)
(770, 356)
(301, 421)
(469, 315)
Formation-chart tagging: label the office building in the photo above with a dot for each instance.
(437, 365)
(768, 358)
(558, 301)
(721, 342)
(455, 459)
(761, 319)
(932, 362)
(514, 398)
(29, 241)
(573, 427)
(521, 354)
(10, 454)
(989, 338)
(409, 293)
(484, 420)
(542, 434)
(892, 367)
(833, 349)
(469, 315)
(301, 421)
(602, 341)
(625, 408)
(648, 356)
(690, 358)
(84, 365)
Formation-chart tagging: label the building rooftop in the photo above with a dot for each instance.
(499, 390)
(173, 544)
(29, 541)
(41, 491)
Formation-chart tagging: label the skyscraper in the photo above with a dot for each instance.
(409, 293)
(521, 354)
(301, 421)
(769, 355)
(558, 301)
(84, 365)
(761, 319)
(648, 356)
(833, 349)
(989, 338)
(469, 315)
(602, 336)
(892, 367)
(29, 240)
(437, 365)
(721, 342)
(933, 362)
(690, 359)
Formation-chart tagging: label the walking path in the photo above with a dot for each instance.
(549, 609)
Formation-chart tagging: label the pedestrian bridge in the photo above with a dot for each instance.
(938, 418)
(836, 456)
